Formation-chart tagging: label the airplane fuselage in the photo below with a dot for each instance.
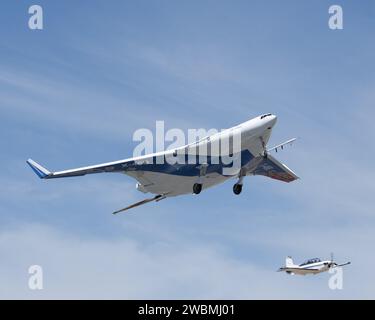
(232, 153)
(313, 268)
(177, 179)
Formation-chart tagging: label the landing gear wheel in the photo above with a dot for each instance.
(197, 188)
(237, 188)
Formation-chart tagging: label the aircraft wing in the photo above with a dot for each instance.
(137, 204)
(270, 167)
(343, 264)
(115, 166)
(292, 269)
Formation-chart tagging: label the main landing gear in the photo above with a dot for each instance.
(237, 188)
(197, 188)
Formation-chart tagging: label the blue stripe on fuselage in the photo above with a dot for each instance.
(186, 169)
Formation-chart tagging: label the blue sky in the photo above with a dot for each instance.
(74, 93)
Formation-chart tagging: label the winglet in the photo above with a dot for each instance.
(38, 169)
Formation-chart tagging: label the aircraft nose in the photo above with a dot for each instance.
(268, 120)
(272, 120)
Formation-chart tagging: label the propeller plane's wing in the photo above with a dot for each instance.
(343, 264)
(294, 269)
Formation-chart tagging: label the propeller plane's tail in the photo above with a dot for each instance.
(289, 262)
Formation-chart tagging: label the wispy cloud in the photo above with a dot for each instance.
(123, 268)
(73, 94)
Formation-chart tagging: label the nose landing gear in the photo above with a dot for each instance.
(237, 188)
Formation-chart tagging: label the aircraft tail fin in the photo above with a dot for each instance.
(289, 262)
(40, 171)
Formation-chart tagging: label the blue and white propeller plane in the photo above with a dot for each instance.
(310, 266)
(168, 180)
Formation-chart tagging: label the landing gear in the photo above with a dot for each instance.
(197, 188)
(237, 188)
(265, 152)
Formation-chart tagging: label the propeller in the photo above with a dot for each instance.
(333, 264)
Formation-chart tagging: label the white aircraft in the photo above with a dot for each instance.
(311, 266)
(169, 180)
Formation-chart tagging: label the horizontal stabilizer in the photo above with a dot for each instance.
(40, 171)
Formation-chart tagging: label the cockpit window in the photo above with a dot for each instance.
(315, 260)
(265, 115)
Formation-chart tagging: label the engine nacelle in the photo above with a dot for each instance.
(140, 187)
